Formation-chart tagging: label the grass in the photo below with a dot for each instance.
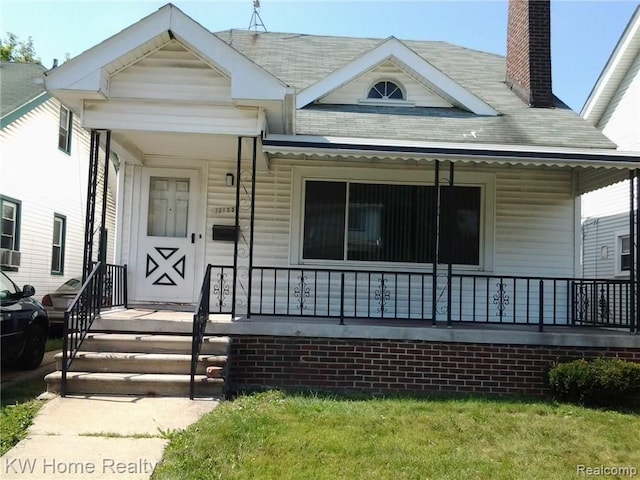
(18, 405)
(278, 436)
(17, 410)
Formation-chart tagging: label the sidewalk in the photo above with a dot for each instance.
(99, 437)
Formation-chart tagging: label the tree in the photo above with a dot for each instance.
(14, 50)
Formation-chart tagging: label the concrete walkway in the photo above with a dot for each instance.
(99, 437)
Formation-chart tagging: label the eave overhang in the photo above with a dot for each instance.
(342, 147)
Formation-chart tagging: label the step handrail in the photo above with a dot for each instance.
(200, 317)
(78, 318)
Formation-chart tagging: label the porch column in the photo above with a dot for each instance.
(434, 242)
(634, 252)
(450, 240)
(237, 228)
(635, 324)
(252, 223)
(102, 254)
(92, 194)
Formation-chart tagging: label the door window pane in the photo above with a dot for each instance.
(168, 207)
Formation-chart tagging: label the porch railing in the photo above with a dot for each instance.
(200, 318)
(78, 318)
(115, 286)
(472, 298)
(104, 287)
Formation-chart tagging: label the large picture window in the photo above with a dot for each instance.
(377, 222)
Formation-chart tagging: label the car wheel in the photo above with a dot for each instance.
(34, 345)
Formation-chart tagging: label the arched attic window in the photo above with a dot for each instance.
(386, 90)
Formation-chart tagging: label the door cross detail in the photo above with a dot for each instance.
(169, 266)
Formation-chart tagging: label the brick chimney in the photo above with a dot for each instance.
(529, 51)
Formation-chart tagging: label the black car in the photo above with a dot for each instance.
(24, 325)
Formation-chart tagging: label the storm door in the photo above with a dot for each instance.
(166, 239)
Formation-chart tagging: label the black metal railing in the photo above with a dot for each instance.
(221, 290)
(473, 298)
(540, 300)
(601, 302)
(313, 292)
(200, 317)
(78, 318)
(114, 282)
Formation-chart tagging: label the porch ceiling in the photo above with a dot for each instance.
(140, 145)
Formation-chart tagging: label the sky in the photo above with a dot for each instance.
(583, 32)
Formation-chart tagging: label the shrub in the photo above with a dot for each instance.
(601, 381)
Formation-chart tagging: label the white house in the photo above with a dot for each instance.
(614, 108)
(44, 158)
(333, 194)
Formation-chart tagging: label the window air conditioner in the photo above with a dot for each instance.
(9, 258)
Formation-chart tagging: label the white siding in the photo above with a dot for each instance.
(358, 89)
(600, 245)
(170, 117)
(534, 223)
(534, 216)
(621, 123)
(621, 120)
(156, 77)
(47, 181)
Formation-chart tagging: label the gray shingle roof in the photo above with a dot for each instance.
(19, 83)
(302, 60)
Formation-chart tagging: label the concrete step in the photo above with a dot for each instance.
(148, 343)
(127, 362)
(170, 385)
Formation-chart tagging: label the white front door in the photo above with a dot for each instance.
(166, 258)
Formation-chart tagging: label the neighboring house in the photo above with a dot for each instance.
(614, 108)
(44, 157)
(399, 183)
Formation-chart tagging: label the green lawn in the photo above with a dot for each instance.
(18, 406)
(278, 436)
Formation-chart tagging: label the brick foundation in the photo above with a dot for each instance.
(411, 366)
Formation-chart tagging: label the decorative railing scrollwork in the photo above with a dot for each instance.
(501, 300)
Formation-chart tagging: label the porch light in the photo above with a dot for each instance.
(229, 179)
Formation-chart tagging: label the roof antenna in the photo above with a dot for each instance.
(256, 20)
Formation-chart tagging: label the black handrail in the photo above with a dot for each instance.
(78, 319)
(200, 318)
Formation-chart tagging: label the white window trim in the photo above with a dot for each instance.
(382, 102)
(404, 102)
(486, 181)
(62, 220)
(68, 128)
(617, 241)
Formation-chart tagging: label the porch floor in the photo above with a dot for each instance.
(180, 321)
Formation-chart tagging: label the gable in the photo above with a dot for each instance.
(621, 61)
(416, 93)
(156, 75)
(87, 75)
(396, 52)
